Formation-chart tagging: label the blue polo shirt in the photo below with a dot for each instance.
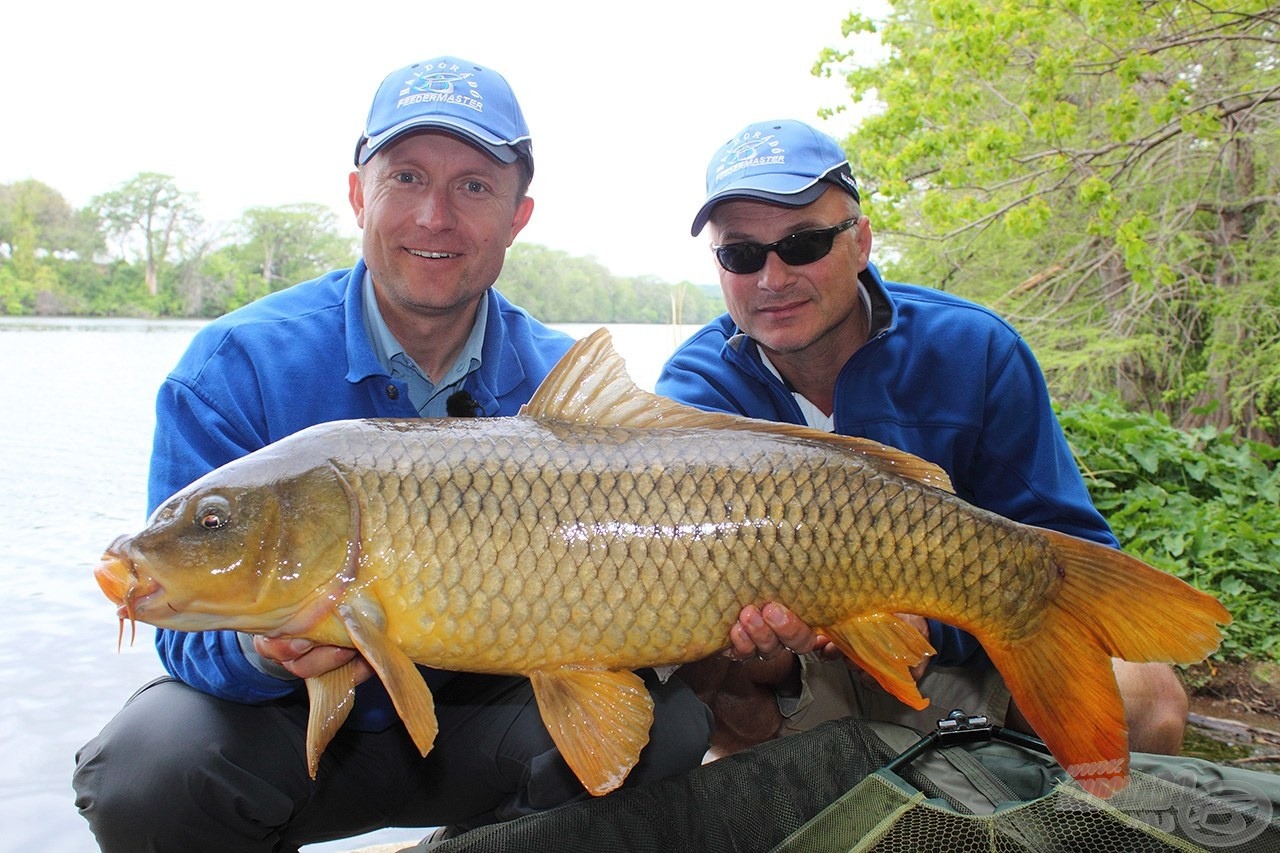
(427, 397)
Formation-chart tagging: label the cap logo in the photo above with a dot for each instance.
(750, 149)
(444, 83)
(850, 185)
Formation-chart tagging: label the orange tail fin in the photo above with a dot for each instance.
(1110, 605)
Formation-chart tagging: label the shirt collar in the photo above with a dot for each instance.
(394, 360)
(386, 347)
(813, 416)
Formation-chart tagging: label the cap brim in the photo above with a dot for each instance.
(499, 150)
(785, 190)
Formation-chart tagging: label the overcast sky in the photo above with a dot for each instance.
(260, 103)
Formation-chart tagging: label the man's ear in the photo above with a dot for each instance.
(355, 195)
(524, 210)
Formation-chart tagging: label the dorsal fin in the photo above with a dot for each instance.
(590, 385)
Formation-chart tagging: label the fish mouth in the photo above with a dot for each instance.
(117, 577)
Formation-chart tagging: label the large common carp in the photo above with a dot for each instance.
(606, 529)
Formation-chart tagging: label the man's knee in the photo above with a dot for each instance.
(1155, 706)
(681, 731)
(131, 784)
(169, 768)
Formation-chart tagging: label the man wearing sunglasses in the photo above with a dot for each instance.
(814, 335)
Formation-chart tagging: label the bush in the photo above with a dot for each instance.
(1203, 505)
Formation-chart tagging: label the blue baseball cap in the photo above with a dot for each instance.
(780, 162)
(469, 101)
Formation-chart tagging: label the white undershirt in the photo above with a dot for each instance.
(813, 416)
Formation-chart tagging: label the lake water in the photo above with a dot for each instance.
(76, 398)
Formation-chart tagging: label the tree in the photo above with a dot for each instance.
(1103, 172)
(559, 288)
(33, 216)
(294, 242)
(271, 248)
(149, 209)
(37, 224)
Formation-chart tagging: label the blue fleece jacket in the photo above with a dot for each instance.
(288, 361)
(942, 378)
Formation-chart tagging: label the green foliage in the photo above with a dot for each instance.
(35, 218)
(16, 295)
(1103, 173)
(104, 290)
(1200, 504)
(293, 243)
(163, 264)
(150, 214)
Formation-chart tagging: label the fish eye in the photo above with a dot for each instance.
(213, 512)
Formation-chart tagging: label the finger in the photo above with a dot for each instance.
(764, 641)
(319, 660)
(750, 639)
(789, 630)
(918, 622)
(922, 625)
(828, 650)
(741, 646)
(281, 649)
(363, 671)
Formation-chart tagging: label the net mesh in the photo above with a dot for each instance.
(824, 791)
(1153, 815)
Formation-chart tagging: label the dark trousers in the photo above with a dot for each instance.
(179, 770)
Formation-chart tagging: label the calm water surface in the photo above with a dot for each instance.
(76, 399)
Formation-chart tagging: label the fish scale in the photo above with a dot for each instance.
(689, 525)
(606, 529)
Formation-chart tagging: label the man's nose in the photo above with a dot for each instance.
(435, 210)
(775, 274)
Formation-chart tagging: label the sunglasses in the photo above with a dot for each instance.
(798, 249)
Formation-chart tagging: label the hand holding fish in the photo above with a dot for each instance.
(768, 631)
(764, 633)
(305, 659)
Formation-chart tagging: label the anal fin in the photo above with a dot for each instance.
(886, 648)
(332, 695)
(599, 720)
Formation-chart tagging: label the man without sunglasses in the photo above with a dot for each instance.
(815, 336)
(212, 758)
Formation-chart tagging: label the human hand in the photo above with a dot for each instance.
(765, 632)
(305, 659)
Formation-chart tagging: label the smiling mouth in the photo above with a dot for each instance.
(431, 255)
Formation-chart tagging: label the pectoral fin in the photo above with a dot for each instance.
(887, 648)
(332, 695)
(409, 693)
(599, 720)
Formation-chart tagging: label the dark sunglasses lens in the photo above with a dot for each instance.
(796, 250)
(805, 247)
(742, 258)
